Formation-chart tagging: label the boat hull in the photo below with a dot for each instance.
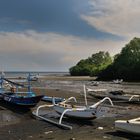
(125, 97)
(128, 126)
(50, 99)
(80, 114)
(22, 100)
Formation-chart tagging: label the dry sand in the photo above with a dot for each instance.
(24, 126)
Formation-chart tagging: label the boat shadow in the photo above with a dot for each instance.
(125, 135)
(14, 108)
(78, 122)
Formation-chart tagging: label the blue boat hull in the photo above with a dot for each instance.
(28, 101)
(50, 99)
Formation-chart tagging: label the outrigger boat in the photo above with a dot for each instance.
(26, 99)
(94, 83)
(72, 111)
(118, 81)
(132, 126)
(114, 95)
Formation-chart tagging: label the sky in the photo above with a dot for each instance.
(53, 35)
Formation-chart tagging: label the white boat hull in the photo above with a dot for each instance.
(132, 126)
(125, 97)
(81, 114)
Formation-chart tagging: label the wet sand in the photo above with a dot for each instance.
(23, 126)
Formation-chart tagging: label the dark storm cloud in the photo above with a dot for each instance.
(58, 16)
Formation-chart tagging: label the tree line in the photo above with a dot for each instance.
(125, 65)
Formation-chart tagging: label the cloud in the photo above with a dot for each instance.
(61, 17)
(31, 50)
(51, 35)
(120, 17)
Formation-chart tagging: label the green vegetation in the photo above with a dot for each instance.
(126, 64)
(92, 65)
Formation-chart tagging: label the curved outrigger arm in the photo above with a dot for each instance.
(67, 110)
(42, 106)
(101, 101)
(71, 98)
(49, 120)
(133, 96)
(62, 115)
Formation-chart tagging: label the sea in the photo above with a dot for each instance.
(16, 74)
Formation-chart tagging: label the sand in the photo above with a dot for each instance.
(25, 127)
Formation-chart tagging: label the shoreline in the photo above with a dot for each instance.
(68, 78)
(61, 78)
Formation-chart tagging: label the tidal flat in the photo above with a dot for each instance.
(19, 124)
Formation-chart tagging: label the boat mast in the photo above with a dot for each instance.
(29, 82)
(85, 95)
(2, 76)
(1, 81)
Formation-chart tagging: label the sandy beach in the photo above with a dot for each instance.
(19, 124)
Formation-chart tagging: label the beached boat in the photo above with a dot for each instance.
(118, 81)
(131, 126)
(72, 111)
(96, 90)
(94, 83)
(50, 99)
(34, 77)
(115, 95)
(28, 99)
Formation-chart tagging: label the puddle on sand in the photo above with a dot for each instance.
(7, 118)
